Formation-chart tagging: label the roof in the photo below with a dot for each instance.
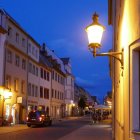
(43, 60)
(18, 25)
(65, 60)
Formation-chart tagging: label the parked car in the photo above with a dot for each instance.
(38, 118)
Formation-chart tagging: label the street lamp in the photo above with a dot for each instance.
(95, 32)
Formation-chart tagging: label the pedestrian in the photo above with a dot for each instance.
(10, 119)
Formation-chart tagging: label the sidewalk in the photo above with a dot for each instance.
(13, 128)
(90, 132)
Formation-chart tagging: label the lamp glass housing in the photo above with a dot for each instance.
(95, 33)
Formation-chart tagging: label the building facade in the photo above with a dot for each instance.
(69, 88)
(124, 16)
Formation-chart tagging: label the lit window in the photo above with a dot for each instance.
(16, 85)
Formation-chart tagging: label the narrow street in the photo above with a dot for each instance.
(68, 129)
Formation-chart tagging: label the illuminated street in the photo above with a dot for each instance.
(71, 129)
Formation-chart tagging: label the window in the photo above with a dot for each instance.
(23, 64)
(36, 71)
(17, 37)
(36, 91)
(33, 69)
(41, 73)
(58, 94)
(46, 93)
(45, 75)
(9, 31)
(33, 90)
(41, 92)
(33, 50)
(36, 54)
(55, 94)
(16, 85)
(23, 42)
(9, 56)
(58, 78)
(17, 60)
(30, 67)
(8, 81)
(62, 96)
(29, 47)
(22, 86)
(48, 76)
(52, 93)
(55, 76)
(29, 89)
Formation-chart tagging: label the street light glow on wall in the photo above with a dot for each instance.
(95, 33)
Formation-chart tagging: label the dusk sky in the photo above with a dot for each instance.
(61, 25)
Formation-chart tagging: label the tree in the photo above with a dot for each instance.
(82, 104)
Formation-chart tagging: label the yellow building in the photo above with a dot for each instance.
(124, 15)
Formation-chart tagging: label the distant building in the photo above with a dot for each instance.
(69, 87)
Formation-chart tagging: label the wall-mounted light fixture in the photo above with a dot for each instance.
(95, 32)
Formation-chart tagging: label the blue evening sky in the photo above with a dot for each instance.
(61, 25)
